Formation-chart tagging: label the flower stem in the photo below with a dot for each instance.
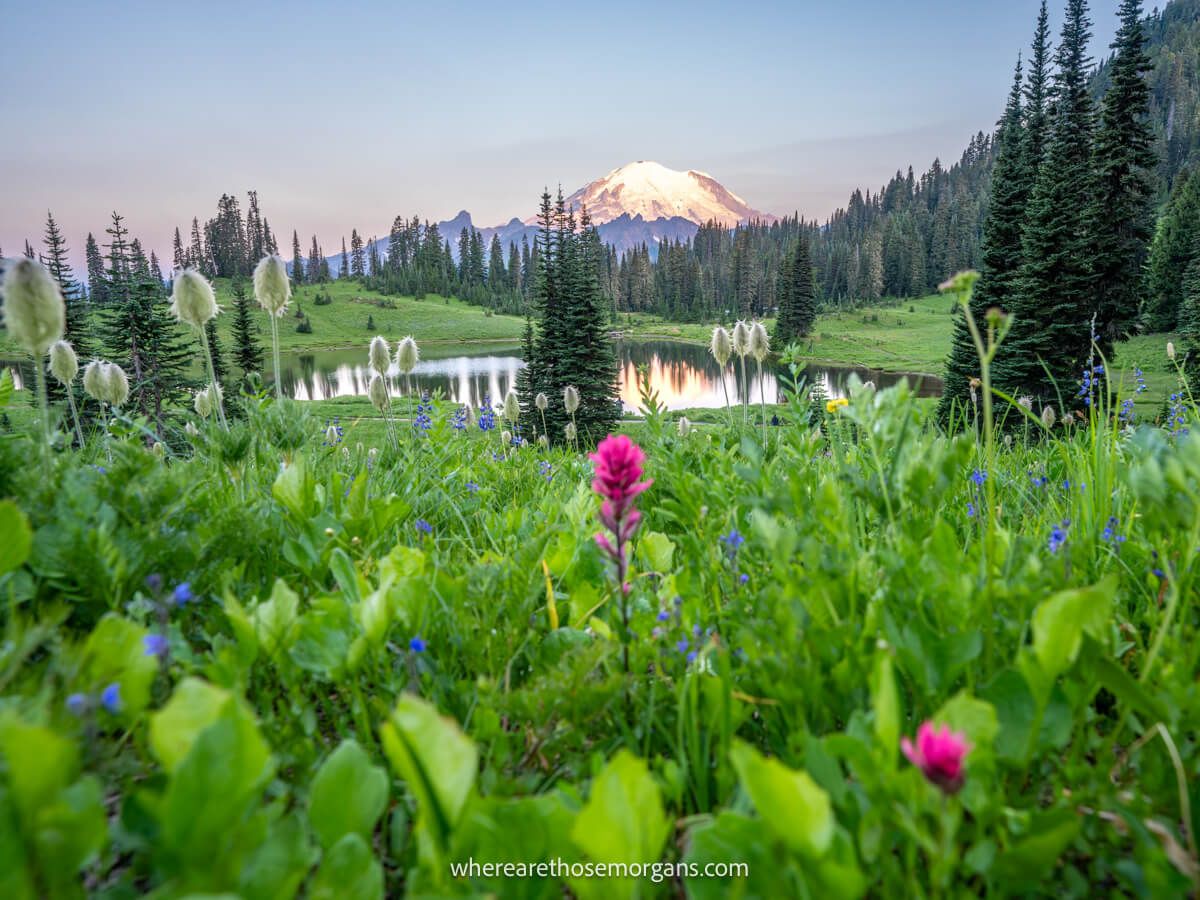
(75, 415)
(275, 354)
(45, 407)
(212, 376)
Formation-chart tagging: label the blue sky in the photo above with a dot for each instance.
(343, 116)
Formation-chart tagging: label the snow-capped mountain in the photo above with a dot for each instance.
(652, 191)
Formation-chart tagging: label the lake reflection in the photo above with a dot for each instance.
(684, 375)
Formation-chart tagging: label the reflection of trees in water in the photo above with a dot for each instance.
(683, 375)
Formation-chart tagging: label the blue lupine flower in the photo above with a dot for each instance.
(472, 487)
(696, 630)
(423, 421)
(183, 593)
(970, 510)
(691, 657)
(155, 644)
(663, 615)
(733, 541)
(683, 645)
(77, 704)
(110, 698)
(154, 582)
(1058, 537)
(1126, 414)
(487, 415)
(459, 421)
(1141, 379)
(416, 645)
(979, 477)
(422, 526)
(544, 467)
(743, 578)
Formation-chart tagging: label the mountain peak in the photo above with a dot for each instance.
(651, 190)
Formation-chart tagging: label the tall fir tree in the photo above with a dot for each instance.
(314, 274)
(178, 254)
(97, 281)
(358, 268)
(1121, 214)
(344, 265)
(1051, 337)
(1172, 251)
(1037, 96)
(1002, 253)
(795, 295)
(247, 352)
(297, 261)
(77, 326)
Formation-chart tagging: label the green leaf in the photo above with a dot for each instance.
(275, 621)
(1027, 862)
(40, 765)
(622, 822)
(6, 388)
(70, 832)
(193, 706)
(656, 551)
(1122, 685)
(294, 489)
(116, 652)
(1060, 623)
(16, 538)
(321, 640)
(1015, 707)
(794, 807)
(435, 758)
(344, 573)
(974, 718)
(278, 866)
(886, 705)
(348, 795)
(349, 871)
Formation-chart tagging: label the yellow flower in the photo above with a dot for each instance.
(834, 405)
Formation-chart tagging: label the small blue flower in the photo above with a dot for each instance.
(970, 510)
(682, 646)
(979, 477)
(416, 645)
(663, 615)
(743, 578)
(691, 657)
(1058, 537)
(77, 704)
(422, 526)
(472, 487)
(696, 630)
(182, 594)
(110, 698)
(156, 645)
(154, 582)
(733, 541)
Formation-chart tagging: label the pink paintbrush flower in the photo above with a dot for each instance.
(939, 755)
(618, 462)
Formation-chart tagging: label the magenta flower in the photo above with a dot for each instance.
(618, 463)
(939, 755)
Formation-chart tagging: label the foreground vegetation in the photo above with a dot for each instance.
(244, 662)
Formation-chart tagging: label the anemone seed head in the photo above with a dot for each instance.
(64, 365)
(721, 346)
(272, 289)
(34, 312)
(407, 355)
(379, 357)
(193, 300)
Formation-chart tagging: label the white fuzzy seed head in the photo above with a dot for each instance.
(1025, 402)
(116, 384)
(407, 355)
(512, 407)
(64, 365)
(741, 339)
(570, 400)
(158, 448)
(331, 434)
(760, 342)
(541, 402)
(272, 289)
(203, 404)
(378, 392)
(379, 357)
(1171, 350)
(721, 346)
(684, 426)
(569, 432)
(93, 380)
(34, 312)
(191, 430)
(506, 436)
(193, 300)
(543, 441)
(1049, 416)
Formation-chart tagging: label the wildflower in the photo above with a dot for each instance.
(961, 283)
(1058, 537)
(939, 755)
(970, 510)
(1171, 350)
(545, 468)
(116, 384)
(512, 408)
(34, 311)
(1025, 402)
(416, 645)
(202, 404)
(77, 703)
(154, 582)
(691, 657)
(569, 432)
(93, 381)
(732, 541)
(506, 436)
(663, 615)
(182, 595)
(377, 392)
(570, 399)
(64, 365)
(190, 429)
(193, 300)
(472, 487)
(682, 645)
(541, 402)
(1141, 380)
(834, 405)
(683, 426)
(272, 289)
(1126, 413)
(741, 339)
(618, 464)
(459, 419)
(743, 578)
(721, 346)
(760, 342)
(423, 421)
(1048, 416)
(155, 645)
(379, 355)
(979, 477)
(487, 416)
(407, 355)
(110, 698)
(422, 526)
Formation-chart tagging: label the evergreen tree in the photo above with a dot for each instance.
(256, 236)
(1171, 253)
(97, 285)
(1121, 212)
(497, 277)
(297, 261)
(797, 305)
(76, 329)
(220, 370)
(1037, 96)
(358, 267)
(247, 352)
(1053, 305)
(997, 285)
(179, 255)
(315, 275)
(344, 265)
(197, 257)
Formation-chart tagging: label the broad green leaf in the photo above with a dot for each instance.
(1060, 623)
(349, 871)
(622, 822)
(293, 488)
(1028, 861)
(279, 864)
(1015, 707)
(16, 538)
(734, 838)
(40, 764)
(348, 795)
(435, 758)
(194, 705)
(16, 875)
(7, 387)
(116, 652)
(344, 573)
(275, 621)
(70, 832)
(656, 551)
(974, 718)
(321, 640)
(794, 807)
